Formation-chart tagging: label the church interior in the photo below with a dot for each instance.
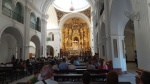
(73, 37)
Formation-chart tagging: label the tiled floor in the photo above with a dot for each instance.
(129, 77)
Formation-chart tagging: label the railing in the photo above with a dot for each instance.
(6, 11)
(32, 25)
(35, 26)
(17, 17)
(11, 14)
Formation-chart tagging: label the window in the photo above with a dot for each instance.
(18, 13)
(51, 36)
(32, 21)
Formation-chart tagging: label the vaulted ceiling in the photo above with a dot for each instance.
(43, 5)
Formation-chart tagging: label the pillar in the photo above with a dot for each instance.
(107, 29)
(26, 32)
(1, 7)
(142, 28)
(44, 34)
(118, 55)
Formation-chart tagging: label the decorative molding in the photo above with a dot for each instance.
(86, 12)
(33, 6)
(45, 16)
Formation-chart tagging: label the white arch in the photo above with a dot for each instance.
(117, 18)
(47, 4)
(66, 17)
(10, 25)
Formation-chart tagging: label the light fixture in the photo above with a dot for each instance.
(71, 8)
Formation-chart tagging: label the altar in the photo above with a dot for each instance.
(75, 37)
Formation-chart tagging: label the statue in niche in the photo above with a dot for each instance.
(75, 43)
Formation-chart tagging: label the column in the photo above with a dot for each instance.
(1, 7)
(92, 40)
(142, 28)
(118, 55)
(26, 32)
(44, 34)
(0, 15)
(107, 27)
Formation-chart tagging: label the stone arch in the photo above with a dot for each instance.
(117, 18)
(35, 39)
(18, 12)
(129, 40)
(8, 26)
(66, 17)
(11, 43)
(117, 24)
(50, 50)
(47, 4)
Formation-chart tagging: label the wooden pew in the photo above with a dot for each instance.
(91, 83)
(7, 72)
(80, 83)
(72, 77)
(80, 71)
(138, 76)
(81, 67)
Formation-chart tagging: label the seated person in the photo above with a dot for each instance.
(47, 74)
(86, 77)
(76, 61)
(71, 66)
(90, 65)
(63, 65)
(112, 77)
(55, 66)
(34, 79)
(145, 77)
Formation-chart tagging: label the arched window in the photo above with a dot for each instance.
(7, 8)
(32, 21)
(38, 24)
(18, 13)
(51, 36)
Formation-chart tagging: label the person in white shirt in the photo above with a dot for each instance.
(47, 74)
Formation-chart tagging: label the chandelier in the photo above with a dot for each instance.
(71, 8)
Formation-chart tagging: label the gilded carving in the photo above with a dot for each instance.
(75, 37)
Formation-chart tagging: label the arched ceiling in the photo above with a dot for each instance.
(66, 5)
(43, 5)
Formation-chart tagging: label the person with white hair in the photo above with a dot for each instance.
(46, 74)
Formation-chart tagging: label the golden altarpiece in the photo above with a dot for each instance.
(75, 37)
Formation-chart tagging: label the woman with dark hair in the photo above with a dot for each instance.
(86, 77)
(145, 77)
(112, 78)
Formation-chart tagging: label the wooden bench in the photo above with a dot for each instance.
(80, 83)
(91, 83)
(78, 77)
(138, 76)
(80, 71)
(81, 67)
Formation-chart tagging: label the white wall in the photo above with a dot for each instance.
(56, 43)
(52, 22)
